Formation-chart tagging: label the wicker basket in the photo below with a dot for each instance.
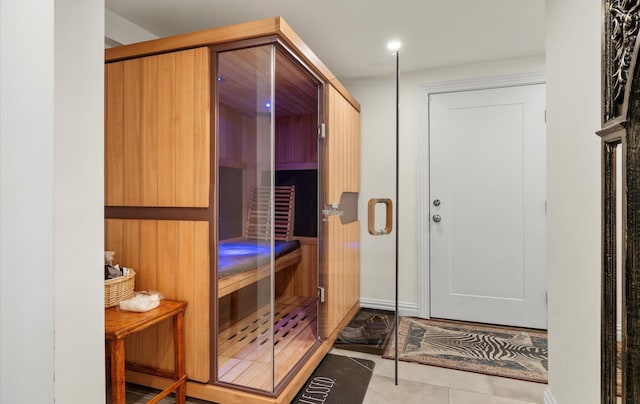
(119, 288)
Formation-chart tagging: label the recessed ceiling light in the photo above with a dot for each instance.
(394, 45)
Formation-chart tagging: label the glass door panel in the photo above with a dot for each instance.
(297, 105)
(245, 270)
(276, 173)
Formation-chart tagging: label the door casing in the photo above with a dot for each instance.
(424, 295)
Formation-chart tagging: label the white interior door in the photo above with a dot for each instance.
(488, 206)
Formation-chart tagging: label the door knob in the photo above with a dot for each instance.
(437, 218)
(436, 202)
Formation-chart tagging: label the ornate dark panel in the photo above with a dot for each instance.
(621, 139)
(631, 248)
(609, 285)
(621, 25)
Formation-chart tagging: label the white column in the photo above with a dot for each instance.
(573, 184)
(51, 147)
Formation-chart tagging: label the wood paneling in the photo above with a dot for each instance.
(296, 140)
(244, 80)
(237, 32)
(244, 90)
(296, 91)
(231, 138)
(220, 394)
(149, 140)
(157, 145)
(113, 145)
(342, 147)
(301, 279)
(166, 130)
(131, 135)
(341, 269)
(232, 283)
(185, 142)
(202, 127)
(245, 349)
(171, 257)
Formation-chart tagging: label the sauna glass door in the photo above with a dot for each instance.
(245, 242)
(268, 110)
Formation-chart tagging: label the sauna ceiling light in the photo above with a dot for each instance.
(220, 78)
(394, 45)
(267, 104)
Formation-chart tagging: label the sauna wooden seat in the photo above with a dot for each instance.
(259, 210)
(232, 283)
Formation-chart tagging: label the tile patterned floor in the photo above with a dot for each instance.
(433, 385)
(419, 384)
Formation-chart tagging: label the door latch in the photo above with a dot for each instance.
(331, 210)
(322, 131)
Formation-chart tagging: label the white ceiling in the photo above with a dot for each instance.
(350, 36)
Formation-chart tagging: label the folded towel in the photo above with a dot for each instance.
(141, 302)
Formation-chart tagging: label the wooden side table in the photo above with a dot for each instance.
(119, 324)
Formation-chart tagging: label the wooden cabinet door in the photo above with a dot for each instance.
(170, 256)
(341, 263)
(157, 130)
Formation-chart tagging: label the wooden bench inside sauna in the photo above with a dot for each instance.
(244, 261)
(207, 136)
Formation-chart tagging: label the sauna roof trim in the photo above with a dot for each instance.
(248, 30)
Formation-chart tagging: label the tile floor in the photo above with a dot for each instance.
(433, 385)
(418, 384)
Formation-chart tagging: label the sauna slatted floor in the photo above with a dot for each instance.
(244, 350)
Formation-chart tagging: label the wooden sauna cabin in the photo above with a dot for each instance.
(221, 146)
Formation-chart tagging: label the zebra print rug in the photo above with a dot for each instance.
(499, 351)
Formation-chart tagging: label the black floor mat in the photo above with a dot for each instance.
(367, 332)
(337, 380)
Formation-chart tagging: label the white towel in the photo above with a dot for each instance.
(141, 302)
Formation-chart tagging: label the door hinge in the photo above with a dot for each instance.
(331, 210)
(321, 294)
(322, 131)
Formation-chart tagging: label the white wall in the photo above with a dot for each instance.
(51, 173)
(573, 186)
(120, 31)
(377, 97)
(78, 200)
(26, 202)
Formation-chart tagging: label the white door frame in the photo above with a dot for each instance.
(512, 80)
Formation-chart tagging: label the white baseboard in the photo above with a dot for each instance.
(548, 397)
(405, 309)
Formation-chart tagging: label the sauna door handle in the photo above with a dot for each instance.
(372, 216)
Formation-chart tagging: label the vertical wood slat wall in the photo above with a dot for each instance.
(157, 154)
(296, 142)
(172, 257)
(342, 241)
(157, 130)
(342, 155)
(302, 279)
